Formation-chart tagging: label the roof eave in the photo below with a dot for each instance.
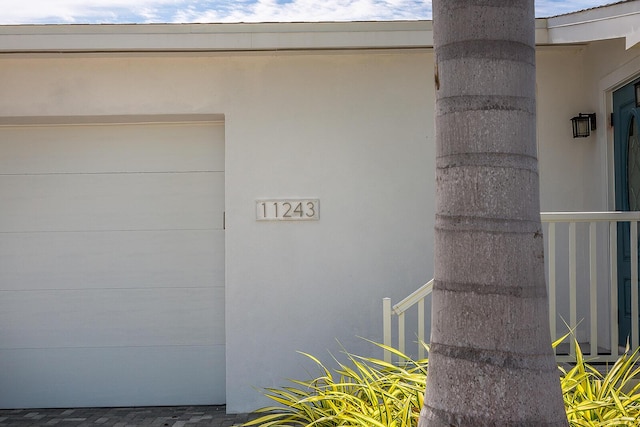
(216, 37)
(619, 20)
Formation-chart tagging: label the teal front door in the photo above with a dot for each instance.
(626, 121)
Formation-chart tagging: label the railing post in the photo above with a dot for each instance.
(593, 289)
(386, 327)
(573, 294)
(401, 333)
(634, 284)
(613, 266)
(420, 329)
(551, 238)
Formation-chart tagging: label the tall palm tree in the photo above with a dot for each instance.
(490, 361)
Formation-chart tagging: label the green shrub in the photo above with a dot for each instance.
(367, 392)
(595, 399)
(371, 392)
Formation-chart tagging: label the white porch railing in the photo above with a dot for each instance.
(416, 298)
(582, 286)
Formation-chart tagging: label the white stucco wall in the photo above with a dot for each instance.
(576, 173)
(354, 131)
(351, 129)
(566, 179)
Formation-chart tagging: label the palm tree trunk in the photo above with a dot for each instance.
(490, 361)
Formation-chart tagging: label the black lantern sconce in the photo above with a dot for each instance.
(583, 124)
(637, 90)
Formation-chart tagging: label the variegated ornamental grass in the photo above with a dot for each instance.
(366, 392)
(595, 399)
(371, 392)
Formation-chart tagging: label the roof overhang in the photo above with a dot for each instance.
(621, 20)
(241, 37)
(216, 37)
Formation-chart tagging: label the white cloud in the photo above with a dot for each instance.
(312, 10)
(129, 11)
(79, 11)
(546, 8)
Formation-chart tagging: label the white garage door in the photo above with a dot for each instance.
(112, 265)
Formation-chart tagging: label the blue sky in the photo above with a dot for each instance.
(186, 11)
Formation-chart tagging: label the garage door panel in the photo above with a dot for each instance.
(139, 376)
(112, 265)
(112, 202)
(112, 318)
(111, 259)
(112, 148)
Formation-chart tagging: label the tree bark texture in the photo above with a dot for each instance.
(490, 361)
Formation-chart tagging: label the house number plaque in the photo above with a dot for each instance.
(288, 210)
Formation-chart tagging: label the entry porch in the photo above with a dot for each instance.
(589, 275)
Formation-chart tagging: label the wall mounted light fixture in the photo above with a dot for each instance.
(582, 124)
(637, 90)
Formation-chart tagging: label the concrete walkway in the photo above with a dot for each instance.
(171, 416)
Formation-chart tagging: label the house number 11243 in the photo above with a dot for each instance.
(288, 210)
